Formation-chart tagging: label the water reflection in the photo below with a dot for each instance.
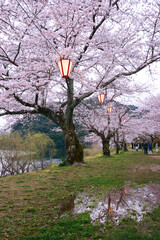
(133, 202)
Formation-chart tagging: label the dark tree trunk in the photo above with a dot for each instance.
(116, 140)
(152, 138)
(106, 150)
(117, 148)
(125, 146)
(73, 147)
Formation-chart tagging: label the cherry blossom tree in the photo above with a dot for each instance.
(143, 124)
(131, 127)
(108, 41)
(102, 125)
(150, 118)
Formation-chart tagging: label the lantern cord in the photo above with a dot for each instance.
(37, 27)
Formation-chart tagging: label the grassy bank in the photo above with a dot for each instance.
(38, 205)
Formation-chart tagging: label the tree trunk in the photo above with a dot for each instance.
(73, 147)
(106, 150)
(116, 140)
(125, 146)
(64, 119)
(117, 148)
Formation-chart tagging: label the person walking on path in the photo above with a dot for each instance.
(137, 147)
(145, 147)
(156, 147)
(150, 147)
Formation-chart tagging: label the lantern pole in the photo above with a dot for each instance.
(69, 83)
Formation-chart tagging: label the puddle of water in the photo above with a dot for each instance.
(117, 205)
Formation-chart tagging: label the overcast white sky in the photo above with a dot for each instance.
(149, 78)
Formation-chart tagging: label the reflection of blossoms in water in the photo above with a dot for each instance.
(127, 202)
(84, 202)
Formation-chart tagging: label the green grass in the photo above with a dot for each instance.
(81, 228)
(38, 205)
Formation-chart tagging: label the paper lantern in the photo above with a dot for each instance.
(101, 98)
(65, 66)
(109, 109)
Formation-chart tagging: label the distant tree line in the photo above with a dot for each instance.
(23, 154)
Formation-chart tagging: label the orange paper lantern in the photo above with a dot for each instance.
(109, 109)
(65, 66)
(101, 98)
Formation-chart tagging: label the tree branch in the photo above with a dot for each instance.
(7, 58)
(23, 102)
(94, 30)
(78, 100)
(18, 112)
(18, 51)
(142, 66)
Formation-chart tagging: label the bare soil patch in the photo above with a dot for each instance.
(152, 167)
